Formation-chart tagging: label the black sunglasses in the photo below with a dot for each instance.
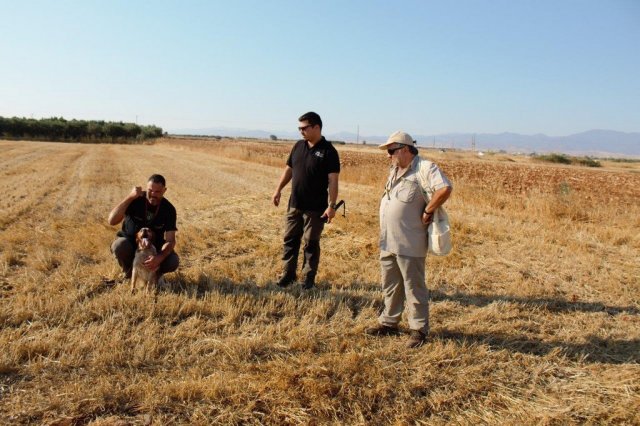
(392, 150)
(302, 129)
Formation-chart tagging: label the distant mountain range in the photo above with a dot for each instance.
(598, 143)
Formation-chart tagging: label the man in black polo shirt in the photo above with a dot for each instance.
(148, 209)
(313, 166)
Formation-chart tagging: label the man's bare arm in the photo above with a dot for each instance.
(117, 214)
(284, 180)
(439, 197)
(333, 196)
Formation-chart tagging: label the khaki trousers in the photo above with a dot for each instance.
(403, 279)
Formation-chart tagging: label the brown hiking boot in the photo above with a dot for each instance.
(416, 339)
(381, 330)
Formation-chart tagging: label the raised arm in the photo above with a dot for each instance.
(117, 214)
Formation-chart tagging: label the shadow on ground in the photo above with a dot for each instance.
(549, 304)
(353, 298)
(595, 350)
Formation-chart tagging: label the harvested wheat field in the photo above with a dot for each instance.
(535, 316)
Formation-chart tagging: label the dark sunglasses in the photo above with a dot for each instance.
(392, 150)
(302, 129)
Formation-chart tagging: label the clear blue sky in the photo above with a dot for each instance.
(427, 67)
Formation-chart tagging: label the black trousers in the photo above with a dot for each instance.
(307, 225)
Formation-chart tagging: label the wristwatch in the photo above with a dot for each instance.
(334, 206)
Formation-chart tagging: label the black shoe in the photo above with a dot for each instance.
(381, 330)
(309, 283)
(286, 280)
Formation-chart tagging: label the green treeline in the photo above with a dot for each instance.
(565, 159)
(59, 129)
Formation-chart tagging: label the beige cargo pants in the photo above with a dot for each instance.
(403, 280)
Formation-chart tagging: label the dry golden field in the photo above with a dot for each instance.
(535, 317)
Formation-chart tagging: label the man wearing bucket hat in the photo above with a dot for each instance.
(404, 217)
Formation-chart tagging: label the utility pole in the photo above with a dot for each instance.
(358, 135)
(473, 143)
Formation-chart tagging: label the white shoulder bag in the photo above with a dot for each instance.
(439, 230)
(439, 233)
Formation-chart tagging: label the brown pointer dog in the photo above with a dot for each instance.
(144, 241)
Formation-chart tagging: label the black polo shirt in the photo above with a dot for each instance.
(140, 214)
(311, 168)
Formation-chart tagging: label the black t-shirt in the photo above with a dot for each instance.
(141, 214)
(310, 179)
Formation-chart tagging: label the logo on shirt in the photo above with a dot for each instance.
(319, 154)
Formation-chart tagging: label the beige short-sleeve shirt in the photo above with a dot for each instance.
(401, 229)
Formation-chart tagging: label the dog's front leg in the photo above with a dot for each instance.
(153, 282)
(134, 278)
(162, 284)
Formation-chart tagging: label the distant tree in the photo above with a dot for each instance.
(96, 129)
(59, 129)
(55, 128)
(555, 158)
(150, 132)
(589, 162)
(77, 130)
(115, 131)
(273, 137)
(132, 131)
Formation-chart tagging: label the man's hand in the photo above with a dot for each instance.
(276, 198)
(329, 213)
(427, 218)
(136, 192)
(152, 263)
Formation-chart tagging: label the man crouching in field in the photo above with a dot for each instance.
(146, 209)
